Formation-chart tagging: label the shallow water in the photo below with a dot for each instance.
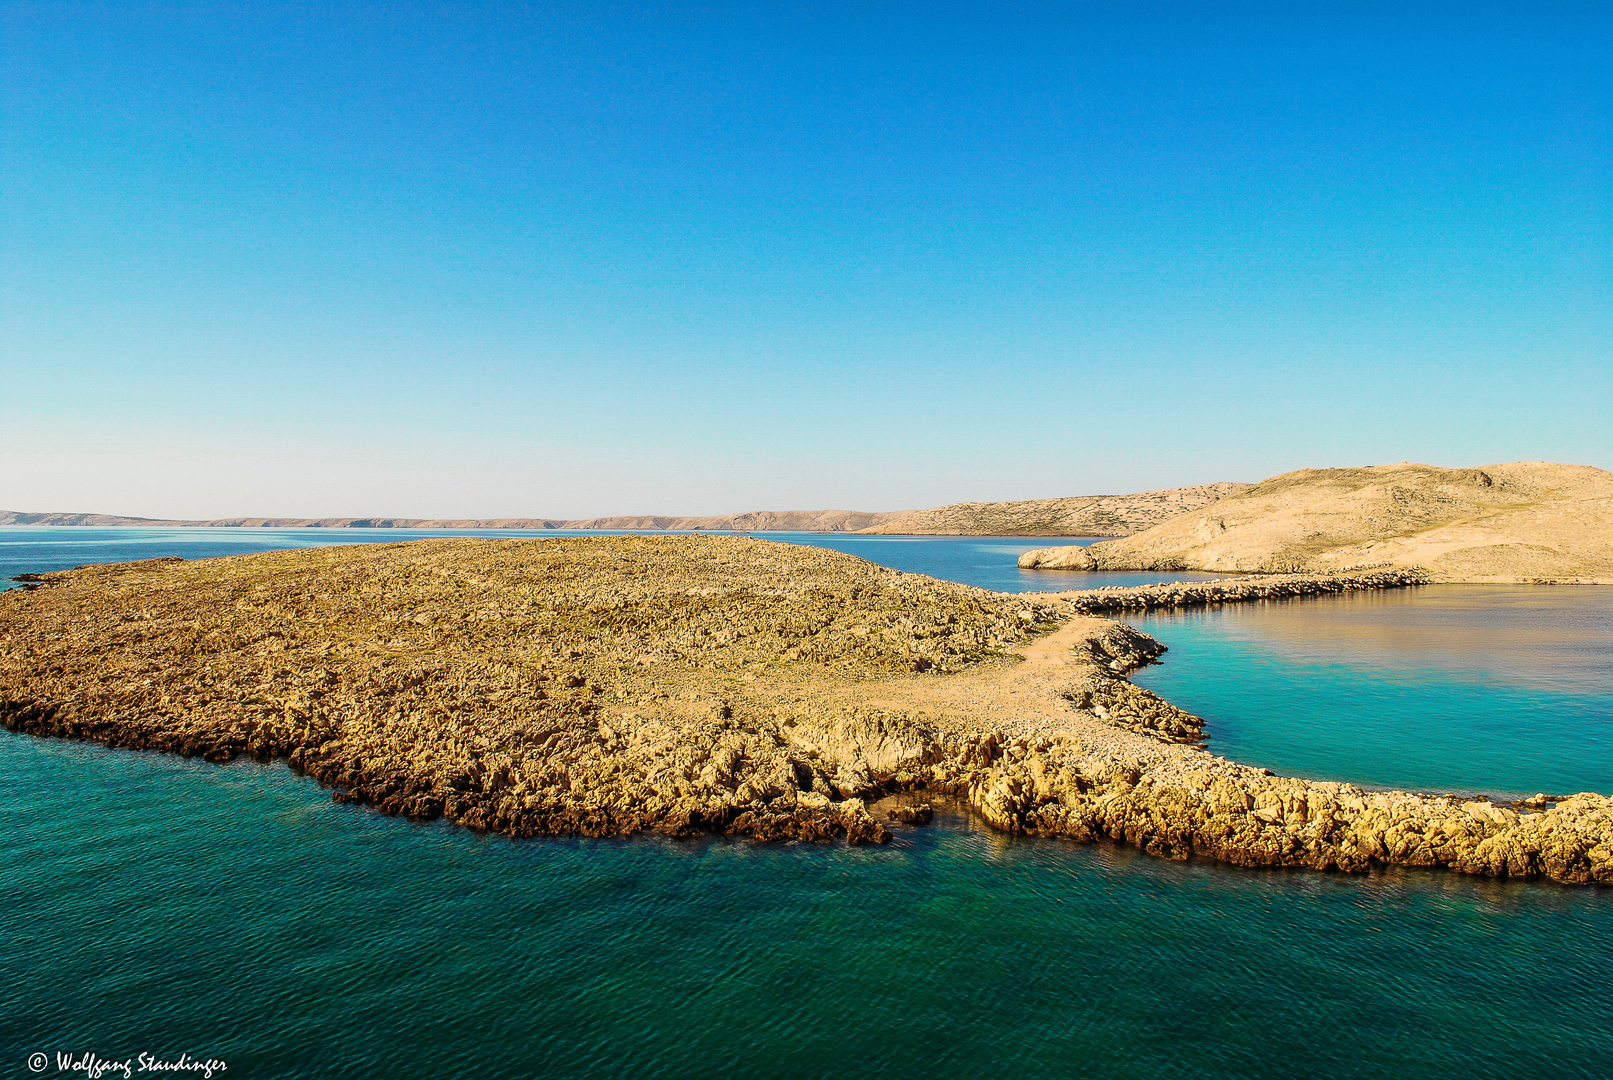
(171, 906)
(1470, 688)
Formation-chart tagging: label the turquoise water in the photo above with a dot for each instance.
(167, 906)
(1500, 689)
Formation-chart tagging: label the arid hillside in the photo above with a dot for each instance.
(1082, 515)
(832, 521)
(1526, 521)
(753, 521)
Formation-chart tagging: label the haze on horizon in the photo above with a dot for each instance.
(484, 261)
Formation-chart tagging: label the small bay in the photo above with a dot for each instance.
(1504, 690)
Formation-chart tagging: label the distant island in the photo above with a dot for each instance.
(1081, 515)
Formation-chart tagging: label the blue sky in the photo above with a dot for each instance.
(500, 260)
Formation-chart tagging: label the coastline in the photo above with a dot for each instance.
(1065, 517)
(451, 528)
(1017, 705)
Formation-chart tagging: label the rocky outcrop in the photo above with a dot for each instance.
(1209, 807)
(612, 685)
(1064, 557)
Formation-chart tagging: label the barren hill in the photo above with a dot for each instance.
(1082, 515)
(1526, 521)
(759, 520)
(753, 521)
(18, 517)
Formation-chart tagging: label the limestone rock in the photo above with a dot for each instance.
(1070, 557)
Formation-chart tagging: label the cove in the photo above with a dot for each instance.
(1505, 690)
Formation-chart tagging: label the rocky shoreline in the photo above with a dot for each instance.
(610, 685)
(1236, 590)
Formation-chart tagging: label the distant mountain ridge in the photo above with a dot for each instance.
(753, 521)
(1082, 515)
(758, 520)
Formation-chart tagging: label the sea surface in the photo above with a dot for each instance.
(1502, 690)
(163, 906)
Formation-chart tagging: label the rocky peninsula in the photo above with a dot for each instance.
(1535, 522)
(610, 685)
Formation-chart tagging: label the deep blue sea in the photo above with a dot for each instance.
(162, 906)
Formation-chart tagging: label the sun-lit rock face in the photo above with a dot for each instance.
(1527, 521)
(1079, 515)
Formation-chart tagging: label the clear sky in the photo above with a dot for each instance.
(562, 261)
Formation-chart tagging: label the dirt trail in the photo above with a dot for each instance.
(1058, 649)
